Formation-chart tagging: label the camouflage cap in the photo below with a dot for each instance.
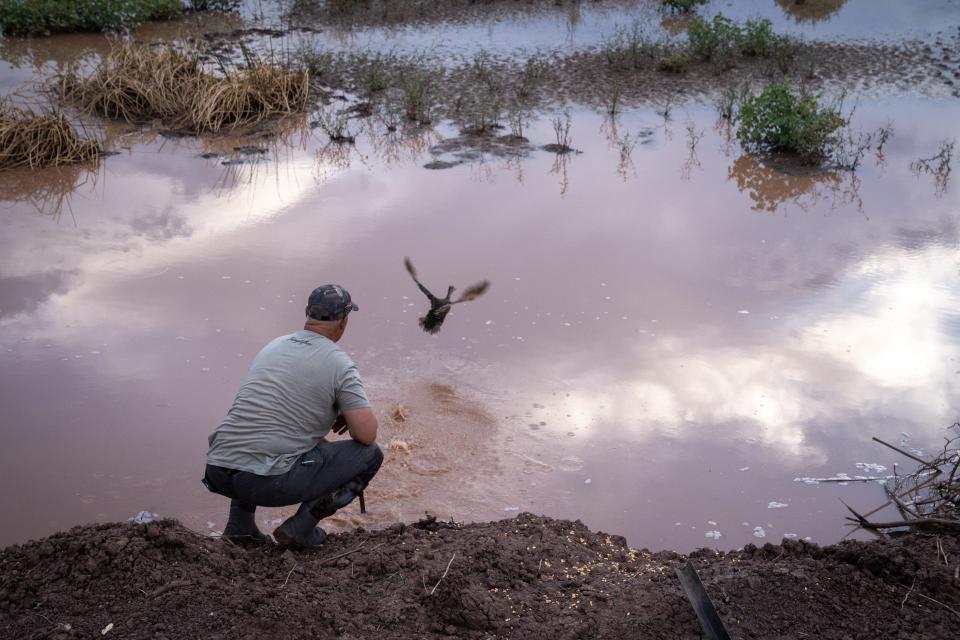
(330, 302)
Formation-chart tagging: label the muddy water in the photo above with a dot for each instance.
(670, 340)
(573, 25)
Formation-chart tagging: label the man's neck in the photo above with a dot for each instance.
(323, 331)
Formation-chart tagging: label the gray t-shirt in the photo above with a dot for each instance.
(286, 404)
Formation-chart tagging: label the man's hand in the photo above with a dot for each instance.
(339, 425)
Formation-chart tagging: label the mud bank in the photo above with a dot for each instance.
(527, 577)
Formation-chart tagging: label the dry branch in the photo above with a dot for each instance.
(927, 499)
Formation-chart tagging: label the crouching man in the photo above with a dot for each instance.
(269, 451)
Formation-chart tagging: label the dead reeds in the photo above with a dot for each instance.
(34, 139)
(138, 83)
(927, 499)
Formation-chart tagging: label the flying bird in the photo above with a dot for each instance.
(440, 307)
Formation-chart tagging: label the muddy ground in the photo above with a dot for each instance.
(528, 577)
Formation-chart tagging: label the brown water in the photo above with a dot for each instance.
(670, 340)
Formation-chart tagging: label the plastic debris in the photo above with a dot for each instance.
(712, 534)
(711, 523)
(744, 469)
(777, 505)
(790, 536)
(871, 467)
(758, 532)
(511, 508)
(106, 629)
(143, 517)
(587, 481)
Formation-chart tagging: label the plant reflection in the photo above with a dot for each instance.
(50, 190)
(811, 10)
(771, 186)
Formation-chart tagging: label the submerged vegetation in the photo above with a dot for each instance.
(139, 83)
(32, 139)
(43, 17)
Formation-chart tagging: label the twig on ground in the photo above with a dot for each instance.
(447, 570)
(176, 584)
(289, 573)
(951, 610)
(346, 553)
(909, 591)
(941, 552)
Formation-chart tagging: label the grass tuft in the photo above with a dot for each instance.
(31, 139)
(141, 83)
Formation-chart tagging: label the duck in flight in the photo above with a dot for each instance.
(440, 307)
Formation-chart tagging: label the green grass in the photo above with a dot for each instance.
(43, 17)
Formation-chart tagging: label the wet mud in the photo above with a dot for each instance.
(526, 577)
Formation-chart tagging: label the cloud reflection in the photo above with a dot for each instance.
(886, 351)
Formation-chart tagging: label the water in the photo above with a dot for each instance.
(577, 25)
(670, 339)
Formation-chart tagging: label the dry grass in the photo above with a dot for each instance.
(140, 83)
(32, 139)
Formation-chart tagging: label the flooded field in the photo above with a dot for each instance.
(678, 340)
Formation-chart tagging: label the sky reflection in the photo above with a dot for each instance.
(648, 330)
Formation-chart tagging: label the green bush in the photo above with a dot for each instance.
(682, 6)
(38, 17)
(780, 119)
(758, 38)
(709, 39)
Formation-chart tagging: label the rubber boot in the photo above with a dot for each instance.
(330, 504)
(300, 530)
(242, 525)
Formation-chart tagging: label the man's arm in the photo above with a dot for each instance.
(362, 425)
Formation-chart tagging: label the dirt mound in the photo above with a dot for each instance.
(529, 577)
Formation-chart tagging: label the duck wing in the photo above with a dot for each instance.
(473, 291)
(413, 274)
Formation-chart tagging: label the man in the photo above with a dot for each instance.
(269, 451)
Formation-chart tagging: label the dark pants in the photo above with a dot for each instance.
(315, 475)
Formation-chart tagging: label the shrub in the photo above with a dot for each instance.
(629, 49)
(724, 37)
(676, 63)
(682, 6)
(40, 17)
(782, 120)
(758, 38)
(708, 39)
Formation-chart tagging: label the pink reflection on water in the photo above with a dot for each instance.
(660, 331)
